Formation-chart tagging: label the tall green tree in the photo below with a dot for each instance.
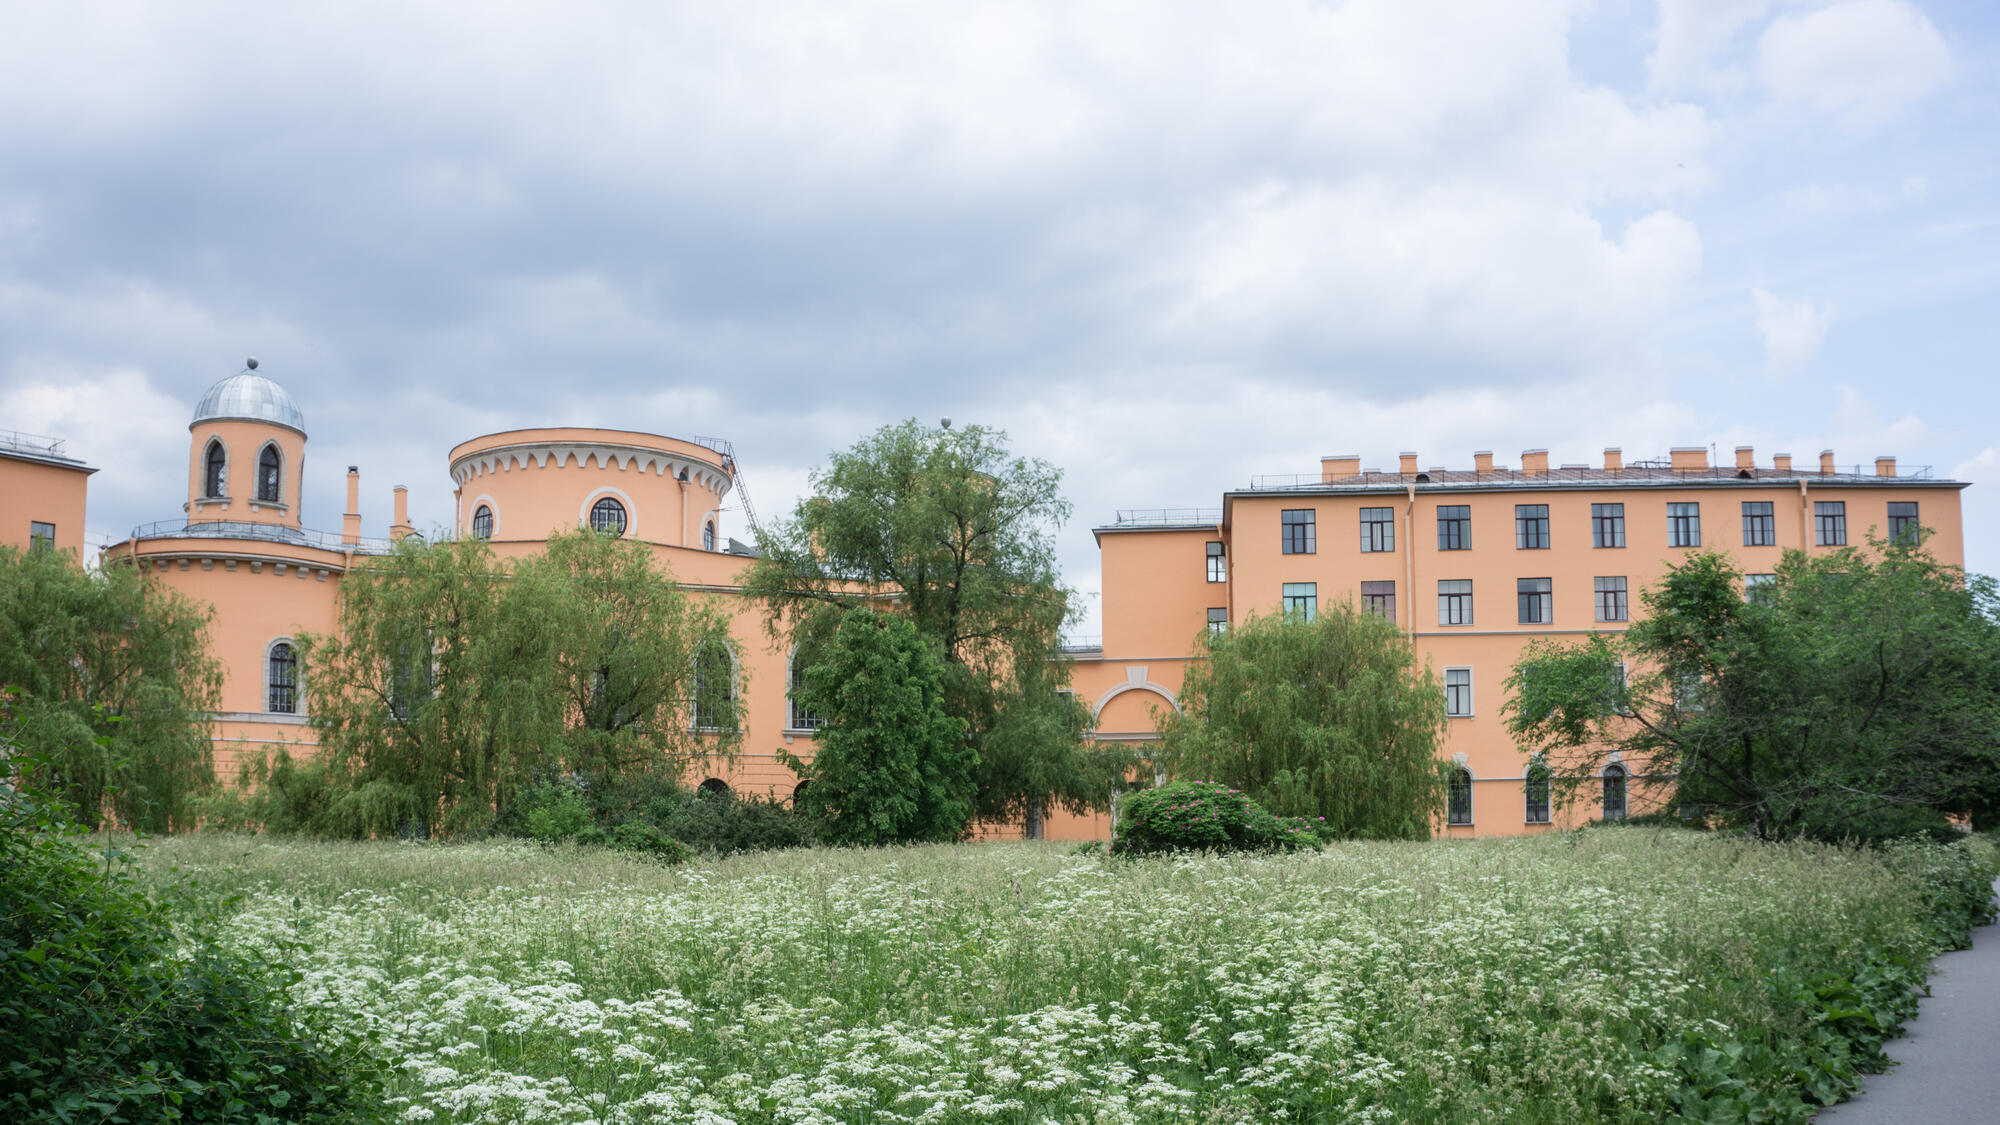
(891, 765)
(958, 535)
(1857, 694)
(457, 679)
(1332, 717)
(114, 683)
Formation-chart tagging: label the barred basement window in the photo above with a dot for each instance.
(1454, 527)
(1760, 527)
(1607, 525)
(1531, 527)
(608, 516)
(1830, 523)
(1458, 798)
(1537, 599)
(1455, 601)
(282, 688)
(1378, 529)
(1379, 598)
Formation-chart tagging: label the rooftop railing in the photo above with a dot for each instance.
(36, 444)
(261, 532)
(1168, 517)
(1633, 471)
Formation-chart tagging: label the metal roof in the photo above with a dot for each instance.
(249, 397)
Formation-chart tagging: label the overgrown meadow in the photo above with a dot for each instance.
(1609, 975)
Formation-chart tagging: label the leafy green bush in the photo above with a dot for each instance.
(552, 812)
(1204, 816)
(725, 823)
(106, 1016)
(643, 839)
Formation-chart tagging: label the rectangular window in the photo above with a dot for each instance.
(1454, 527)
(1458, 798)
(1297, 536)
(1537, 601)
(1218, 619)
(1458, 692)
(1217, 570)
(1301, 599)
(1531, 527)
(1760, 527)
(1758, 588)
(1607, 525)
(1903, 525)
(1611, 599)
(1455, 601)
(1684, 525)
(1538, 794)
(1379, 598)
(1830, 523)
(42, 536)
(1378, 529)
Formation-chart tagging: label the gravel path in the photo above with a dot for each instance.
(1948, 1066)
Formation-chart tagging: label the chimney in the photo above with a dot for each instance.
(1482, 462)
(1826, 462)
(350, 524)
(1409, 464)
(1746, 457)
(1340, 466)
(1782, 462)
(1885, 466)
(402, 526)
(1535, 462)
(1688, 457)
(1614, 459)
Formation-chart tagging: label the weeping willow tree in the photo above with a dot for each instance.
(457, 679)
(112, 684)
(1331, 717)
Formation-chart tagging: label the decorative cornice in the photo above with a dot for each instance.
(608, 455)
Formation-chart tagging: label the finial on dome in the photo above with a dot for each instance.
(251, 363)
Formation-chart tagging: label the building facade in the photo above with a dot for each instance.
(1472, 564)
(42, 494)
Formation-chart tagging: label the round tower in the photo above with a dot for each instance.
(246, 453)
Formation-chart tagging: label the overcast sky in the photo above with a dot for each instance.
(1165, 246)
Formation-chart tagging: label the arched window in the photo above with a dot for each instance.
(1614, 792)
(282, 680)
(708, 536)
(1538, 794)
(482, 522)
(215, 470)
(270, 468)
(799, 793)
(607, 516)
(798, 717)
(714, 787)
(1458, 797)
(714, 705)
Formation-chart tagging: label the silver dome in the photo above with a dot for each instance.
(250, 398)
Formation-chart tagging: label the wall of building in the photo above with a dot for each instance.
(33, 490)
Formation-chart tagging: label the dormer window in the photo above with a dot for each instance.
(214, 474)
(270, 466)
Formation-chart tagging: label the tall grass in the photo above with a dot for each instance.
(1576, 977)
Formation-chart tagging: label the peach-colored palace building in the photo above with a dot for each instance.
(1473, 563)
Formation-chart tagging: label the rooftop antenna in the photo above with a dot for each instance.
(251, 363)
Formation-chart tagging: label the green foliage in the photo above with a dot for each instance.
(727, 823)
(960, 533)
(638, 837)
(113, 682)
(1330, 718)
(105, 1015)
(1856, 697)
(1204, 816)
(892, 765)
(553, 812)
(455, 680)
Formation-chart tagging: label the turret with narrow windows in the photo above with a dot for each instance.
(246, 453)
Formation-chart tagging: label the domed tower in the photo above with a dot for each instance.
(246, 453)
